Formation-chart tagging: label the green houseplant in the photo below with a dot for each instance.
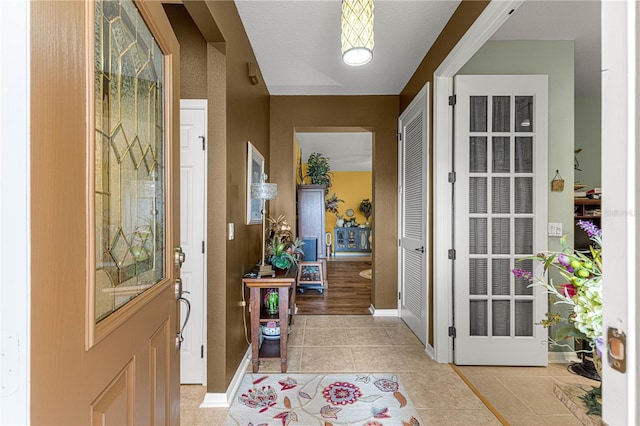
(282, 248)
(319, 170)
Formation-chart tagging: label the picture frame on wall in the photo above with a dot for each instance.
(255, 170)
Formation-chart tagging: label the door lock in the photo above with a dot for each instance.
(179, 257)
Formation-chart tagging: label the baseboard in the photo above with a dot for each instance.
(562, 357)
(429, 350)
(223, 400)
(383, 312)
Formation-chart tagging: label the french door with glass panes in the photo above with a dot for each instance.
(500, 218)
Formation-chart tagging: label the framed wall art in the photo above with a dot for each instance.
(255, 170)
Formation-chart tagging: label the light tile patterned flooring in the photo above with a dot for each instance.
(362, 343)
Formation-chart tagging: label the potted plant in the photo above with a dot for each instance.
(319, 170)
(365, 208)
(331, 204)
(282, 249)
(582, 292)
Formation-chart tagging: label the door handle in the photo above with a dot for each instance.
(180, 257)
(421, 249)
(179, 335)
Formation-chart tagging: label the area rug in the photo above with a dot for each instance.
(366, 274)
(332, 399)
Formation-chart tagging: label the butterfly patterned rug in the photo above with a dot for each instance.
(325, 400)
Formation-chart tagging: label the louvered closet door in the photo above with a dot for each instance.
(413, 207)
(501, 209)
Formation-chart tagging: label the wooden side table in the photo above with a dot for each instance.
(271, 348)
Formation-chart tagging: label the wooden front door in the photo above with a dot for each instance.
(104, 214)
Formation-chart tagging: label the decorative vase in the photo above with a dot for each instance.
(271, 301)
(340, 223)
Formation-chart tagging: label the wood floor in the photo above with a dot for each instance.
(347, 293)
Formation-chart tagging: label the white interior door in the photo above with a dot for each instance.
(413, 200)
(501, 214)
(193, 129)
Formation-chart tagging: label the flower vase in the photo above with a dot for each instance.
(271, 301)
(340, 223)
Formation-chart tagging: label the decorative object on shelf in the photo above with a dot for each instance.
(271, 330)
(263, 191)
(583, 292)
(271, 301)
(340, 221)
(557, 183)
(366, 208)
(283, 250)
(357, 32)
(319, 170)
(331, 204)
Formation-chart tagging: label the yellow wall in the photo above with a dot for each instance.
(352, 187)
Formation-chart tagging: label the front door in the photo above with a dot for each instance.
(501, 214)
(104, 198)
(413, 204)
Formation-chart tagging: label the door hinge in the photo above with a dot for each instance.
(452, 331)
(204, 144)
(399, 295)
(451, 254)
(399, 242)
(201, 351)
(452, 100)
(452, 177)
(203, 247)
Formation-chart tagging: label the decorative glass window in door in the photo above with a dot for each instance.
(129, 156)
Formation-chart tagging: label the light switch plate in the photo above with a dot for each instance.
(555, 230)
(231, 234)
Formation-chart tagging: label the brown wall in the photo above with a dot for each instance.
(378, 114)
(215, 51)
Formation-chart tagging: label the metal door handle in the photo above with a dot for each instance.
(179, 335)
(421, 249)
(179, 257)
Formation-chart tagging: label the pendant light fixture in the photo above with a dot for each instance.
(357, 31)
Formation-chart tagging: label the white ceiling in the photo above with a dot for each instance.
(297, 45)
(345, 151)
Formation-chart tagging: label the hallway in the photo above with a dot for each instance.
(347, 293)
(362, 343)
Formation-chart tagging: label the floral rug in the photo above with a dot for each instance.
(332, 399)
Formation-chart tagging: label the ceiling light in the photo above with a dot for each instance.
(357, 31)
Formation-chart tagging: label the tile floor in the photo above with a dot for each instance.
(362, 343)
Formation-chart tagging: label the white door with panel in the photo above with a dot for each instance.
(500, 217)
(413, 205)
(193, 130)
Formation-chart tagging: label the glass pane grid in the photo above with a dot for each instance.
(507, 308)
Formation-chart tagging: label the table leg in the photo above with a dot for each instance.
(284, 327)
(255, 328)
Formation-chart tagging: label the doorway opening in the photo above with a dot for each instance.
(346, 241)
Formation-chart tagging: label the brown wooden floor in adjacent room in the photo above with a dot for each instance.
(347, 294)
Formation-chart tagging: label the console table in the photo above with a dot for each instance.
(285, 282)
(352, 239)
